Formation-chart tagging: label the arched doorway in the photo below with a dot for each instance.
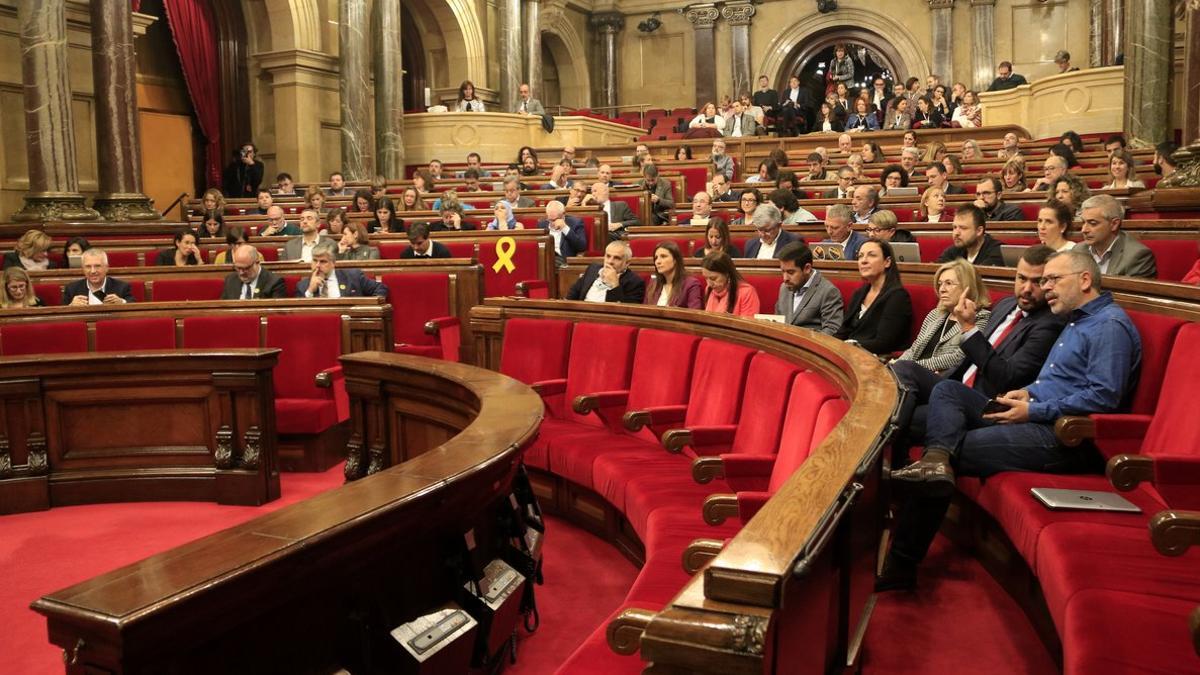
(871, 54)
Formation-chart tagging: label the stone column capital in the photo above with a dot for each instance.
(703, 16)
(608, 22)
(981, 3)
(739, 13)
(941, 4)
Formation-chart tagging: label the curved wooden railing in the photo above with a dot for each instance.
(306, 588)
(737, 616)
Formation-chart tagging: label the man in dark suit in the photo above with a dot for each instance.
(620, 216)
(611, 281)
(845, 186)
(96, 287)
(798, 107)
(937, 177)
(328, 282)
(1005, 78)
(660, 194)
(568, 232)
(807, 299)
(989, 197)
(765, 97)
(772, 238)
(421, 246)
(971, 240)
(1002, 356)
(249, 281)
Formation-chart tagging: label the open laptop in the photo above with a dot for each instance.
(1083, 500)
(828, 251)
(906, 251)
(75, 262)
(1012, 253)
(902, 192)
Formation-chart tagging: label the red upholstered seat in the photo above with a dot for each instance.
(52, 337)
(593, 656)
(174, 290)
(1173, 257)
(924, 300)
(1158, 334)
(137, 289)
(535, 350)
(846, 287)
(499, 281)
(932, 246)
(115, 335)
(416, 299)
(50, 294)
(767, 287)
(126, 258)
(311, 343)
(1119, 633)
(214, 332)
(391, 250)
(461, 249)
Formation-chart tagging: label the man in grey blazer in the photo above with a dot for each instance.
(620, 216)
(1116, 252)
(300, 248)
(527, 104)
(806, 298)
(740, 123)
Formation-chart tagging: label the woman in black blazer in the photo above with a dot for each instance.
(184, 253)
(879, 315)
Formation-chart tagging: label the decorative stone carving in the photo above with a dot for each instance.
(741, 14)
(6, 467)
(749, 634)
(608, 22)
(703, 16)
(1187, 159)
(125, 207)
(39, 462)
(377, 454)
(223, 456)
(941, 4)
(353, 470)
(252, 448)
(54, 206)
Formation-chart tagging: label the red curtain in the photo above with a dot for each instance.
(194, 31)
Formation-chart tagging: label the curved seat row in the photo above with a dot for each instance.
(631, 411)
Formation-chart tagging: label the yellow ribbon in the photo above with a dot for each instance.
(505, 248)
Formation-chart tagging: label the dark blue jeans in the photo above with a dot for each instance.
(954, 422)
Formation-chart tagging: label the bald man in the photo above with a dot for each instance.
(249, 281)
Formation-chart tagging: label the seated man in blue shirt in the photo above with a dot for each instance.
(1092, 368)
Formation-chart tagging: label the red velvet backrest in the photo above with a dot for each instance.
(269, 253)
(128, 258)
(290, 281)
(499, 280)
(461, 249)
(1158, 335)
(809, 392)
(137, 289)
(175, 290)
(932, 246)
(764, 405)
(391, 250)
(717, 382)
(215, 332)
(924, 300)
(767, 287)
(1173, 257)
(50, 294)
(601, 360)
(535, 350)
(846, 287)
(117, 335)
(662, 368)
(415, 299)
(634, 202)
(1175, 429)
(50, 337)
(310, 343)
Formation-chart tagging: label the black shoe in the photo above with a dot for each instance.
(931, 478)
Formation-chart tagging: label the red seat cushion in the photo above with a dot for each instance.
(415, 299)
(1173, 257)
(50, 294)
(214, 332)
(593, 656)
(116, 335)
(51, 337)
(535, 350)
(304, 415)
(1118, 633)
(174, 290)
(310, 343)
(1158, 336)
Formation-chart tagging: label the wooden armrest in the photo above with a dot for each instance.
(634, 420)
(1125, 472)
(434, 326)
(674, 440)
(549, 387)
(586, 403)
(719, 508)
(524, 288)
(1174, 532)
(705, 469)
(624, 633)
(1072, 430)
(327, 377)
(699, 552)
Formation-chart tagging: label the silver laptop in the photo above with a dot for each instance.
(906, 251)
(1012, 253)
(75, 262)
(1083, 500)
(902, 192)
(828, 251)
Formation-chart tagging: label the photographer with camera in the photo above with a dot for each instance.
(244, 174)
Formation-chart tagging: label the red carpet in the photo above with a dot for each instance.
(45, 551)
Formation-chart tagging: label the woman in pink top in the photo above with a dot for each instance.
(727, 291)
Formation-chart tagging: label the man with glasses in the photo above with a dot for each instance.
(276, 225)
(839, 229)
(1114, 251)
(1091, 369)
(767, 221)
(1053, 168)
(987, 197)
(845, 185)
(249, 281)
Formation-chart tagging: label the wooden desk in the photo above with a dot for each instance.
(125, 426)
(286, 593)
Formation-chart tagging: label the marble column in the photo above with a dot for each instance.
(941, 13)
(509, 52)
(1148, 57)
(1191, 72)
(704, 20)
(983, 46)
(533, 46)
(740, 15)
(118, 137)
(388, 71)
(49, 127)
(354, 86)
(608, 24)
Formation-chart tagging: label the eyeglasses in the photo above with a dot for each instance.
(876, 230)
(946, 283)
(1051, 280)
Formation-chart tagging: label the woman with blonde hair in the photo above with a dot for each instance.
(933, 206)
(17, 290)
(934, 152)
(938, 344)
(884, 226)
(970, 150)
(1012, 176)
(314, 198)
(212, 199)
(31, 252)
